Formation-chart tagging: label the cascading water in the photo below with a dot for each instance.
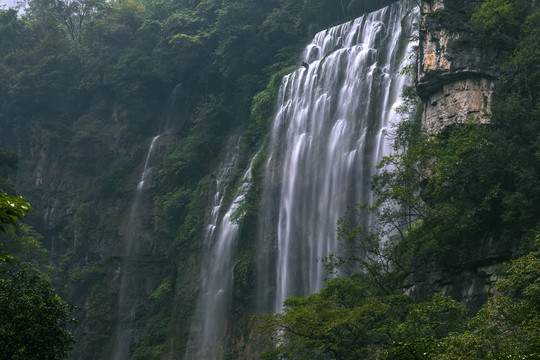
(209, 324)
(326, 140)
(129, 289)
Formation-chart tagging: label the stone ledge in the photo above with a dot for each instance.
(457, 103)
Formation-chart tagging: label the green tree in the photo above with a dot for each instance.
(426, 324)
(343, 321)
(498, 21)
(508, 325)
(33, 318)
(11, 207)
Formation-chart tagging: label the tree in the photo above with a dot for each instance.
(343, 321)
(33, 318)
(508, 325)
(426, 324)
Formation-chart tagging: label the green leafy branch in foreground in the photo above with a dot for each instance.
(33, 316)
(11, 209)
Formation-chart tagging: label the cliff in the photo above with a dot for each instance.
(456, 77)
(83, 127)
(456, 72)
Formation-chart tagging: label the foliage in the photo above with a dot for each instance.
(262, 110)
(24, 244)
(12, 208)
(360, 250)
(507, 325)
(153, 337)
(33, 318)
(499, 20)
(345, 321)
(163, 291)
(495, 15)
(83, 277)
(426, 324)
(341, 322)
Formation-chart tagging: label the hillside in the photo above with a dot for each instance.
(169, 152)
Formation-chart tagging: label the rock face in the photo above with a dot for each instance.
(457, 102)
(456, 75)
(456, 79)
(472, 285)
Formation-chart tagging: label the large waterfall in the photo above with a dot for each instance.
(129, 287)
(327, 138)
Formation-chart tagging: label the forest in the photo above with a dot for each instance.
(84, 88)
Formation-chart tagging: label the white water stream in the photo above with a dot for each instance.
(209, 326)
(129, 294)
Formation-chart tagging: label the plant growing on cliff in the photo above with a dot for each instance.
(498, 21)
(496, 16)
(507, 326)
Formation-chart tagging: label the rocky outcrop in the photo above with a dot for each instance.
(456, 74)
(456, 102)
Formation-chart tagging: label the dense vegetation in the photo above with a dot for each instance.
(82, 85)
(33, 318)
(440, 198)
(82, 82)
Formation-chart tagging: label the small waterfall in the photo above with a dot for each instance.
(327, 137)
(209, 324)
(130, 292)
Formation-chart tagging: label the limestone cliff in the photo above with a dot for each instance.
(456, 78)
(456, 74)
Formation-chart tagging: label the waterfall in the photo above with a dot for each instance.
(208, 327)
(327, 137)
(130, 290)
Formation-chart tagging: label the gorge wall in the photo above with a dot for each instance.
(83, 198)
(456, 76)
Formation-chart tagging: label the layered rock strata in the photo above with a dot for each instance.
(456, 75)
(456, 78)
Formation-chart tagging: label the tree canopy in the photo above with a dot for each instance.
(33, 318)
